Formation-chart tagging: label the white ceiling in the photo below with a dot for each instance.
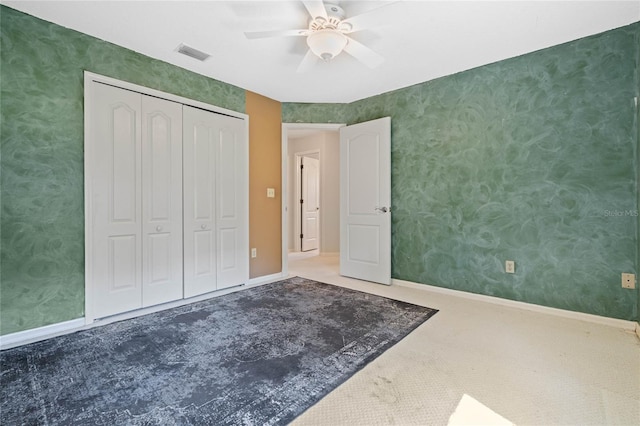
(420, 40)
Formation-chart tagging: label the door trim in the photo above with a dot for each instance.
(285, 184)
(89, 79)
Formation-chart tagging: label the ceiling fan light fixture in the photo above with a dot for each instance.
(327, 44)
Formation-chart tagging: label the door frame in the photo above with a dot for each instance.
(89, 79)
(285, 184)
(297, 224)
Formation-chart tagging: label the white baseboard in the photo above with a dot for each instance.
(613, 322)
(48, 331)
(266, 279)
(41, 333)
(330, 254)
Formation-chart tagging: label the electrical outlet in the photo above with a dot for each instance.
(271, 193)
(254, 252)
(628, 280)
(510, 267)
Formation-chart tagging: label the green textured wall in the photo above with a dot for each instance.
(638, 155)
(42, 222)
(316, 113)
(530, 159)
(520, 159)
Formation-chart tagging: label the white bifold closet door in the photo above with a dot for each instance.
(215, 201)
(135, 162)
(161, 201)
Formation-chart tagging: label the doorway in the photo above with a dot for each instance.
(362, 206)
(305, 142)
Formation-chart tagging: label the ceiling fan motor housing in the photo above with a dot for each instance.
(335, 15)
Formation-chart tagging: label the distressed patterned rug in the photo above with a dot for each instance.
(259, 356)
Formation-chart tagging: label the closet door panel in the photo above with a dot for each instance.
(203, 249)
(232, 211)
(116, 203)
(199, 137)
(121, 260)
(166, 190)
(162, 201)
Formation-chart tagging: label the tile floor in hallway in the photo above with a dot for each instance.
(479, 363)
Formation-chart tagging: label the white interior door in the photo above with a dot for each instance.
(232, 212)
(365, 201)
(215, 192)
(116, 203)
(199, 148)
(162, 201)
(310, 206)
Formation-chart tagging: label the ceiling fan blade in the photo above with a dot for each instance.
(277, 33)
(308, 62)
(316, 9)
(363, 53)
(371, 18)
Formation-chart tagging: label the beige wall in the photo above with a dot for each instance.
(265, 223)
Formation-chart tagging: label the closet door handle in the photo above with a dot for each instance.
(203, 226)
(158, 228)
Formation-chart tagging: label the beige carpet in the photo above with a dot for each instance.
(476, 358)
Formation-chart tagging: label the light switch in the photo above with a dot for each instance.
(271, 193)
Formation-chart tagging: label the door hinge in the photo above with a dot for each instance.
(301, 236)
(301, 166)
(301, 201)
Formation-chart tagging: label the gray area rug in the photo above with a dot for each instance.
(259, 356)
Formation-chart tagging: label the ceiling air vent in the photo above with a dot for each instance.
(193, 53)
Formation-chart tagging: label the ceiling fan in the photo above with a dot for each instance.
(327, 35)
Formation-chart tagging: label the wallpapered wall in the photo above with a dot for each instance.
(638, 157)
(42, 222)
(531, 159)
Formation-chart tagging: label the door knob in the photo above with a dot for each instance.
(383, 209)
(158, 228)
(203, 226)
